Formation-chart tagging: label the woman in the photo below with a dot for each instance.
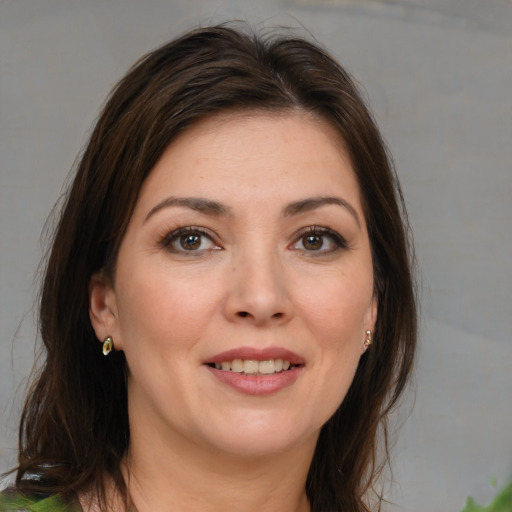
(228, 311)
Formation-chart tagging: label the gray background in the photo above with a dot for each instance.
(438, 74)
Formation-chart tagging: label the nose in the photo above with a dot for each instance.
(258, 291)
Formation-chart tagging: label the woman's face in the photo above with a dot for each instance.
(247, 253)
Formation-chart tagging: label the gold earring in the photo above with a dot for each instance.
(368, 340)
(108, 345)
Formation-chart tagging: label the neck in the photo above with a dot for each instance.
(180, 476)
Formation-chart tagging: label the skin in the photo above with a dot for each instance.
(251, 280)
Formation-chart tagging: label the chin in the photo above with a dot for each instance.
(261, 438)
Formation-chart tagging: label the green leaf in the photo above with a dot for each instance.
(501, 503)
(18, 502)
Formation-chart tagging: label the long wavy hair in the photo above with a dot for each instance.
(74, 427)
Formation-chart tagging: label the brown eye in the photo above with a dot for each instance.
(318, 241)
(312, 242)
(190, 242)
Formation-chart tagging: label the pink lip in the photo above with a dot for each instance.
(257, 384)
(259, 354)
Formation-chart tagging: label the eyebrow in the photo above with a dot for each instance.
(198, 204)
(312, 203)
(217, 209)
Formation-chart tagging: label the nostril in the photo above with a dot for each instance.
(277, 315)
(243, 314)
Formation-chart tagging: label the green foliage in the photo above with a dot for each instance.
(501, 503)
(20, 503)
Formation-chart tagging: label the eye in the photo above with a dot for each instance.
(312, 242)
(189, 240)
(319, 240)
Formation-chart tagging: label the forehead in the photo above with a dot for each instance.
(241, 157)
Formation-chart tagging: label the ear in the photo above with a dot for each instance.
(370, 320)
(373, 313)
(103, 309)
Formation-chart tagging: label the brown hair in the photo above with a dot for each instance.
(74, 426)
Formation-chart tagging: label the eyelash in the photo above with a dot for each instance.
(170, 238)
(321, 232)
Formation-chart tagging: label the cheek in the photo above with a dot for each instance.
(338, 312)
(163, 310)
(339, 330)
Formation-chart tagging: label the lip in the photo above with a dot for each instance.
(259, 354)
(256, 384)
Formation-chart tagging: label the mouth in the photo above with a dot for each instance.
(256, 367)
(257, 371)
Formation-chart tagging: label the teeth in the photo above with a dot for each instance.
(251, 366)
(237, 366)
(254, 367)
(267, 367)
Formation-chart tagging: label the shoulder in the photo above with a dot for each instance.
(14, 502)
